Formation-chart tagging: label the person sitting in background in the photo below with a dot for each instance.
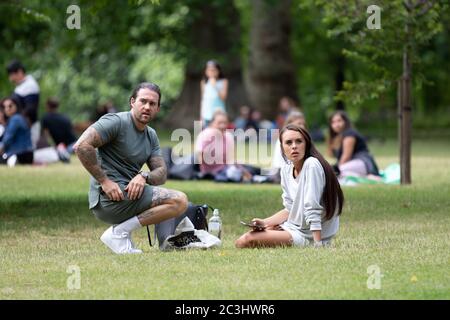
(15, 146)
(349, 147)
(59, 127)
(285, 107)
(255, 125)
(214, 150)
(103, 109)
(246, 123)
(241, 122)
(3, 120)
(254, 120)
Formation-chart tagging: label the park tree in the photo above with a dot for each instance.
(88, 66)
(271, 68)
(209, 30)
(168, 42)
(386, 36)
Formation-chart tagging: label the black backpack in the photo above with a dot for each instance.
(198, 216)
(196, 213)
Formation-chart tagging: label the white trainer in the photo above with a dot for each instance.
(119, 243)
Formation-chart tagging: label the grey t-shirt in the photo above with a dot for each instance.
(125, 151)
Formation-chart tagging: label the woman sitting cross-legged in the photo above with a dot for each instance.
(312, 198)
(350, 149)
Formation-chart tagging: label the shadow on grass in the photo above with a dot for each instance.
(362, 204)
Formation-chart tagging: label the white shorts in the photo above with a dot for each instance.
(298, 239)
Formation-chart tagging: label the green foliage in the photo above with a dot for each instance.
(116, 47)
(315, 57)
(150, 64)
(381, 51)
(136, 40)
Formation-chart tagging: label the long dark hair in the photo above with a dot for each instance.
(331, 133)
(2, 110)
(215, 64)
(14, 99)
(332, 195)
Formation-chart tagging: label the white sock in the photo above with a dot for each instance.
(128, 225)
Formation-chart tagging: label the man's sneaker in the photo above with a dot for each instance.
(119, 243)
(183, 239)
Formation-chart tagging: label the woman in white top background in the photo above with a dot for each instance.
(312, 198)
(214, 90)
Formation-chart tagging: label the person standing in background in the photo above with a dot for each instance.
(214, 90)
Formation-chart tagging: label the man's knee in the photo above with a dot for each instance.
(181, 202)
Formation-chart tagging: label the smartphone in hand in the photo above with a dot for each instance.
(254, 226)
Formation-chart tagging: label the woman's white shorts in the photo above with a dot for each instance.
(298, 239)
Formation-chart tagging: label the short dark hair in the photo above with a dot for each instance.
(52, 103)
(15, 66)
(147, 85)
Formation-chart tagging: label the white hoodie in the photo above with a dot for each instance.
(302, 197)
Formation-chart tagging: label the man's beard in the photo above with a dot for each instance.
(141, 119)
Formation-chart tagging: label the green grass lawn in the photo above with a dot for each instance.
(45, 227)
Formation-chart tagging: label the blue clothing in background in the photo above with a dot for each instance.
(211, 100)
(17, 136)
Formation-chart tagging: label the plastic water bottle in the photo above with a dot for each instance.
(215, 224)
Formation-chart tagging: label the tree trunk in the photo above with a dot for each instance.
(405, 123)
(214, 34)
(271, 67)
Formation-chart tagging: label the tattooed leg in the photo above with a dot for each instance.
(166, 204)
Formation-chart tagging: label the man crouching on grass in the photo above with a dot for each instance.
(120, 193)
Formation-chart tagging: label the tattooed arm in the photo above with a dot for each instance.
(156, 176)
(85, 150)
(158, 173)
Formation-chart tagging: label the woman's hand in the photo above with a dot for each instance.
(212, 80)
(259, 224)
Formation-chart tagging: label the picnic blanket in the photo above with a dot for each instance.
(390, 175)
